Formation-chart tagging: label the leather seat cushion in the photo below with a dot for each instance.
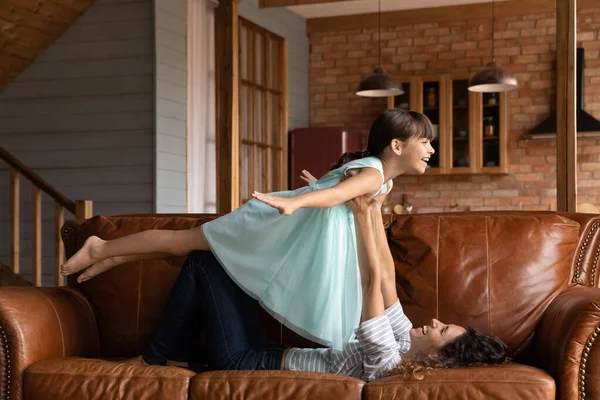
(509, 381)
(91, 379)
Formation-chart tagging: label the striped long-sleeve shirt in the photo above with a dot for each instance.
(380, 344)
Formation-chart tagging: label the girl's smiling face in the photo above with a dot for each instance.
(415, 154)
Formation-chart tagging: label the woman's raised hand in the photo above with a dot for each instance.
(366, 203)
(360, 204)
(307, 177)
(284, 205)
(379, 199)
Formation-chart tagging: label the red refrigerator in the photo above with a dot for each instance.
(317, 149)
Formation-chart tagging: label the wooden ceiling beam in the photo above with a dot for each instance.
(11, 67)
(436, 14)
(31, 20)
(78, 6)
(47, 9)
(288, 3)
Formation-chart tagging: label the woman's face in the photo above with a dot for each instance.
(429, 339)
(414, 155)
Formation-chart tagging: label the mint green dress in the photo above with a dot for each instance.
(302, 268)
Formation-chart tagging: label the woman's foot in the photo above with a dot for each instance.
(89, 254)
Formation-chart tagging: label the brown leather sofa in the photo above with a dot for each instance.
(528, 278)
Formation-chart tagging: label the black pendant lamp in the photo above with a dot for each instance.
(493, 77)
(379, 83)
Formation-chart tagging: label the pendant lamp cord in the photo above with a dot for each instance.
(379, 15)
(493, 22)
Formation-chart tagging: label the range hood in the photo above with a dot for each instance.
(586, 123)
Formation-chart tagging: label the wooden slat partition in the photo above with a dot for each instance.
(266, 111)
(253, 135)
(82, 210)
(283, 114)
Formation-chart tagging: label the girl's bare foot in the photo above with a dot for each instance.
(101, 267)
(112, 262)
(86, 256)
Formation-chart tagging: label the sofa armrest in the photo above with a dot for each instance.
(36, 324)
(565, 342)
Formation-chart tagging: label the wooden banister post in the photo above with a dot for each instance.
(15, 219)
(83, 210)
(36, 234)
(59, 250)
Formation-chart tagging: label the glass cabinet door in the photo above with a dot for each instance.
(405, 101)
(493, 131)
(460, 125)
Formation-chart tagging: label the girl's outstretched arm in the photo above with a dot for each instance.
(368, 181)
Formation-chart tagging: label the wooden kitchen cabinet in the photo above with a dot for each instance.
(472, 128)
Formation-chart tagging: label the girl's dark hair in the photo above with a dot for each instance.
(391, 124)
(470, 349)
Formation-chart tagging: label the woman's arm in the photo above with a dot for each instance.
(367, 181)
(370, 272)
(375, 334)
(388, 271)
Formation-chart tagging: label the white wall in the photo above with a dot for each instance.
(82, 116)
(171, 107)
(293, 28)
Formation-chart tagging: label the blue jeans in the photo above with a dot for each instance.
(235, 339)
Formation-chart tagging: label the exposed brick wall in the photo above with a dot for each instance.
(525, 44)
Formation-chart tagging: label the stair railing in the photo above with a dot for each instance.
(82, 209)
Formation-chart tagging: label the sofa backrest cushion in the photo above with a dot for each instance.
(495, 272)
(128, 300)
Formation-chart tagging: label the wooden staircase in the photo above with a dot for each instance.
(28, 27)
(82, 209)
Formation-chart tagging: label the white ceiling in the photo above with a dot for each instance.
(370, 6)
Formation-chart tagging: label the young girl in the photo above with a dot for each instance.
(294, 251)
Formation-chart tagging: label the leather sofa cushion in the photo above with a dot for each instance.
(496, 272)
(274, 385)
(128, 300)
(8, 278)
(88, 379)
(509, 381)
